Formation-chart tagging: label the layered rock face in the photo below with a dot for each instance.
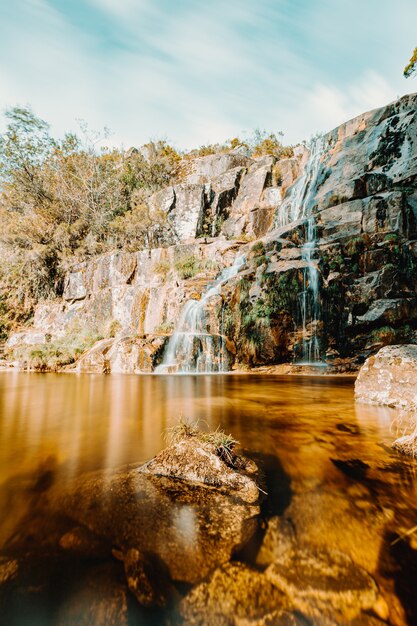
(329, 240)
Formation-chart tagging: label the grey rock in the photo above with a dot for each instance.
(389, 377)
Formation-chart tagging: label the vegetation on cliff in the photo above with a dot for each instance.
(411, 66)
(64, 200)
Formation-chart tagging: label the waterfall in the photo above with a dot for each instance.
(192, 348)
(298, 205)
(309, 298)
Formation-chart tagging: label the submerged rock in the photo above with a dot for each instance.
(180, 515)
(99, 599)
(236, 594)
(324, 583)
(146, 578)
(389, 377)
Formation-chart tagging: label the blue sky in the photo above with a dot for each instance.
(195, 71)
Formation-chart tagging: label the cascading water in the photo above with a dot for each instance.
(192, 348)
(298, 205)
(309, 298)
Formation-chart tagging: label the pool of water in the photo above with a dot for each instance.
(330, 468)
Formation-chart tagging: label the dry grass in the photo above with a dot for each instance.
(181, 430)
(223, 443)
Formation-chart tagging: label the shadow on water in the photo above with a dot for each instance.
(277, 483)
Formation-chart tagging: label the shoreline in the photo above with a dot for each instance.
(274, 370)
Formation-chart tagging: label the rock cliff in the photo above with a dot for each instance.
(328, 247)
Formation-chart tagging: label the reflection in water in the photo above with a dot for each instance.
(329, 465)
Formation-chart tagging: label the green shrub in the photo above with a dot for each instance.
(261, 260)
(391, 237)
(354, 246)
(258, 248)
(190, 266)
(54, 355)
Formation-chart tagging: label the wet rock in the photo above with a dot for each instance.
(81, 541)
(146, 578)
(362, 544)
(189, 526)
(279, 540)
(133, 355)
(198, 461)
(389, 311)
(236, 594)
(99, 598)
(324, 583)
(389, 377)
(341, 221)
(8, 569)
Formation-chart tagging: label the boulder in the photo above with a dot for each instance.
(146, 579)
(95, 361)
(163, 200)
(133, 355)
(175, 516)
(389, 377)
(98, 599)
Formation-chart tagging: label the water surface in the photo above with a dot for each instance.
(329, 463)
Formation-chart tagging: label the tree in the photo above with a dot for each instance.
(411, 68)
(62, 201)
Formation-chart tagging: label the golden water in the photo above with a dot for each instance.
(329, 462)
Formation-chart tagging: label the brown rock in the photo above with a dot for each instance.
(235, 594)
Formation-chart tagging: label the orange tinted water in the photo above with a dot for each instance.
(329, 462)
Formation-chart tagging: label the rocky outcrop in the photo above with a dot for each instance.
(329, 237)
(389, 377)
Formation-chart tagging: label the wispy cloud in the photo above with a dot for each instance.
(195, 71)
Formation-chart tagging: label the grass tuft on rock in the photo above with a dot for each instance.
(181, 430)
(223, 443)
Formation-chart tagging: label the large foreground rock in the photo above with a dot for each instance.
(389, 377)
(187, 524)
